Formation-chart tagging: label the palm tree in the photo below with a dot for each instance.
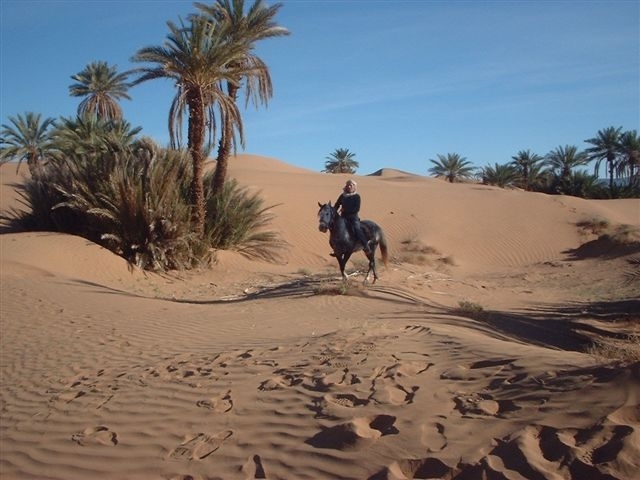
(526, 163)
(91, 136)
(630, 151)
(500, 175)
(452, 167)
(197, 57)
(101, 86)
(562, 160)
(26, 137)
(341, 161)
(606, 146)
(242, 29)
(585, 185)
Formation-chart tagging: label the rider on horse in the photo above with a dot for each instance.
(349, 200)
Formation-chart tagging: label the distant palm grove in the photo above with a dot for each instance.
(93, 175)
(557, 172)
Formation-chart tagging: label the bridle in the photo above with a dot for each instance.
(326, 225)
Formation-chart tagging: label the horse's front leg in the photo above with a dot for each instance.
(342, 261)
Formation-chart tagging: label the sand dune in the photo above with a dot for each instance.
(258, 370)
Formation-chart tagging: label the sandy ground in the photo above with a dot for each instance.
(468, 359)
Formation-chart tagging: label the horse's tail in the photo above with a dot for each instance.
(382, 241)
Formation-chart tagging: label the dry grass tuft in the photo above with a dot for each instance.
(471, 310)
(616, 234)
(595, 225)
(331, 288)
(632, 276)
(626, 349)
(415, 252)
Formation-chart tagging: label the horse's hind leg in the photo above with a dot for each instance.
(372, 267)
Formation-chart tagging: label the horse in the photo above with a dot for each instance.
(344, 242)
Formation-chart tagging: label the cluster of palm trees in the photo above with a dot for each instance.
(558, 171)
(210, 56)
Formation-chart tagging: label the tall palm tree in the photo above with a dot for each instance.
(562, 160)
(197, 57)
(452, 167)
(102, 87)
(341, 161)
(526, 163)
(606, 146)
(630, 151)
(242, 29)
(26, 137)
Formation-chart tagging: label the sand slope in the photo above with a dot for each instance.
(257, 370)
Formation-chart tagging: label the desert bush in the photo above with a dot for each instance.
(140, 209)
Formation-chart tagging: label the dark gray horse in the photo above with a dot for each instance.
(344, 242)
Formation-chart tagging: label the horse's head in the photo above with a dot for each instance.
(325, 216)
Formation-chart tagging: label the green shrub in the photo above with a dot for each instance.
(139, 208)
(236, 220)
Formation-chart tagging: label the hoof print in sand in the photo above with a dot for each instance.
(356, 434)
(199, 446)
(99, 435)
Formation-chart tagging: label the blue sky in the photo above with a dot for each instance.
(396, 82)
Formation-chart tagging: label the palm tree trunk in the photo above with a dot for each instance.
(196, 142)
(33, 163)
(224, 146)
(611, 164)
(222, 161)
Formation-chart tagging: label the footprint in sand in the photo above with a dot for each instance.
(433, 437)
(199, 446)
(221, 404)
(279, 382)
(389, 392)
(99, 435)
(345, 400)
(253, 468)
(476, 404)
(356, 434)
(415, 468)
